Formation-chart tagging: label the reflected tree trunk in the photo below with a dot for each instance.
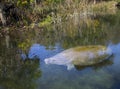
(2, 17)
(7, 39)
(35, 3)
(94, 1)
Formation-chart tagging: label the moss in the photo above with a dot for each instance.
(47, 21)
(92, 48)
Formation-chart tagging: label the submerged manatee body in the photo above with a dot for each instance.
(82, 55)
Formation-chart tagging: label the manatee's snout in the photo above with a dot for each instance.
(49, 61)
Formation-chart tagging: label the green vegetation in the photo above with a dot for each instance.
(92, 48)
(71, 22)
(47, 12)
(55, 25)
(46, 21)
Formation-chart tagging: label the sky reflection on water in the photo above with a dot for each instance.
(99, 76)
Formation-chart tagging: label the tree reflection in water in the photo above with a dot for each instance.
(16, 73)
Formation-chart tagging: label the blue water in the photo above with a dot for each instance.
(105, 75)
(32, 73)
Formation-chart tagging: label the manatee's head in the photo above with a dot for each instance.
(59, 61)
(49, 61)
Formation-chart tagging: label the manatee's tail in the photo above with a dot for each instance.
(114, 48)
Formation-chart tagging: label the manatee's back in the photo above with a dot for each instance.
(86, 55)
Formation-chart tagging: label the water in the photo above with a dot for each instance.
(22, 55)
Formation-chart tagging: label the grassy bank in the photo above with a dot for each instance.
(55, 12)
(61, 12)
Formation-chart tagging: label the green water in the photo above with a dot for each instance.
(22, 54)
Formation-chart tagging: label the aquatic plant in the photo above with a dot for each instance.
(47, 21)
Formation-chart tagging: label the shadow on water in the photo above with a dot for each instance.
(96, 66)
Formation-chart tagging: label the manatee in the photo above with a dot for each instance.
(81, 55)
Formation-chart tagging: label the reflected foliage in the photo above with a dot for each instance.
(19, 74)
(16, 73)
(92, 30)
(19, 77)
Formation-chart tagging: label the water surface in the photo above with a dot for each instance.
(22, 55)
